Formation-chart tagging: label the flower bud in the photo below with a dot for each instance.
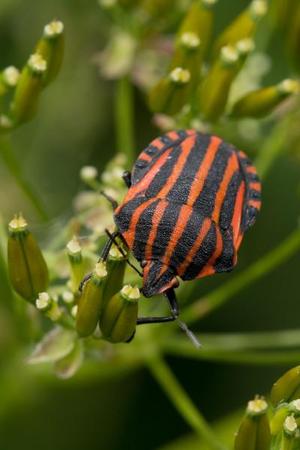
(188, 55)
(215, 88)
(119, 316)
(244, 26)
(26, 265)
(8, 79)
(282, 11)
(286, 387)
(91, 301)
(254, 431)
(76, 264)
(263, 101)
(289, 432)
(48, 306)
(199, 21)
(116, 265)
(6, 123)
(51, 49)
(28, 89)
(293, 37)
(156, 8)
(278, 418)
(171, 93)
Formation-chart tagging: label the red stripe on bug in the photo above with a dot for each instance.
(146, 180)
(145, 157)
(129, 235)
(157, 216)
(254, 203)
(203, 170)
(173, 135)
(184, 215)
(158, 143)
(237, 213)
(251, 169)
(186, 148)
(232, 166)
(195, 248)
(255, 186)
(209, 269)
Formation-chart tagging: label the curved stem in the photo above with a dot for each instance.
(184, 405)
(15, 169)
(183, 348)
(124, 119)
(262, 267)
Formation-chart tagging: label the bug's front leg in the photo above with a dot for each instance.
(103, 257)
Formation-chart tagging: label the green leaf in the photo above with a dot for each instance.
(54, 346)
(68, 366)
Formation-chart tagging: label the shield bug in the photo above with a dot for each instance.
(191, 198)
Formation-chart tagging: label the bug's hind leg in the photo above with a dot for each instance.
(127, 178)
(171, 296)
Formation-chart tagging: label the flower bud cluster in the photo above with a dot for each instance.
(23, 88)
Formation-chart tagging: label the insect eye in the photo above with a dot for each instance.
(143, 264)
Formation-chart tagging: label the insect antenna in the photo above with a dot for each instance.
(183, 326)
(112, 238)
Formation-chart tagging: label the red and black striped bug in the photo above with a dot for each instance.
(191, 198)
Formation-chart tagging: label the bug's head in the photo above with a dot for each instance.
(157, 278)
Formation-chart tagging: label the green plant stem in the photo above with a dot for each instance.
(245, 341)
(273, 147)
(262, 267)
(183, 348)
(184, 405)
(15, 169)
(124, 117)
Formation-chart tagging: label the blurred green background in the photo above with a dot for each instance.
(75, 127)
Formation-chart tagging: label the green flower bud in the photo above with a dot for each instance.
(290, 428)
(188, 55)
(91, 301)
(263, 101)
(51, 49)
(156, 8)
(282, 11)
(244, 26)
(278, 418)
(199, 21)
(28, 89)
(116, 265)
(293, 37)
(48, 306)
(26, 265)
(118, 318)
(6, 123)
(254, 431)
(171, 93)
(8, 79)
(286, 387)
(76, 264)
(215, 88)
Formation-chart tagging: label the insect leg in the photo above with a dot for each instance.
(103, 257)
(170, 294)
(127, 178)
(111, 200)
